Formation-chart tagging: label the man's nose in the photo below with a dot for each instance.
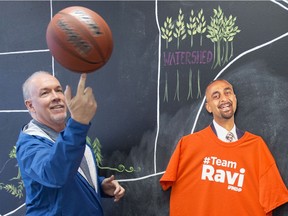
(55, 95)
(224, 97)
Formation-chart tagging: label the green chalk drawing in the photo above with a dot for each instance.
(96, 146)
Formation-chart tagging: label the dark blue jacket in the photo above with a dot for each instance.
(50, 173)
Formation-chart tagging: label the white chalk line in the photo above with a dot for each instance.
(13, 111)
(141, 178)
(230, 63)
(158, 92)
(158, 88)
(281, 5)
(15, 210)
(24, 52)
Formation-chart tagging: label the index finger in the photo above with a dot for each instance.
(81, 84)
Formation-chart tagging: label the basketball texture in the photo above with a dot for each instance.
(79, 39)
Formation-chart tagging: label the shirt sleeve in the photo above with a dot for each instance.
(170, 175)
(273, 191)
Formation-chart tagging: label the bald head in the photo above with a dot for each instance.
(221, 102)
(215, 82)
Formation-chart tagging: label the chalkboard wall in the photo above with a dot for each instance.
(151, 91)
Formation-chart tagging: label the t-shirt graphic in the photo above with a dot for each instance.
(223, 171)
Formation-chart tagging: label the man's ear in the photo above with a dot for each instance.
(29, 105)
(208, 108)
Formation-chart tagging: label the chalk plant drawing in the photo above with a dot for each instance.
(196, 24)
(176, 96)
(201, 25)
(221, 31)
(190, 91)
(96, 146)
(167, 30)
(15, 190)
(15, 187)
(192, 27)
(199, 95)
(166, 98)
(180, 30)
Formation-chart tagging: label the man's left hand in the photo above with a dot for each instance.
(111, 187)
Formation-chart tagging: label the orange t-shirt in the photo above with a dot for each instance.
(213, 178)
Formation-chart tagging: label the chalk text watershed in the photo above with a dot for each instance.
(214, 170)
(187, 57)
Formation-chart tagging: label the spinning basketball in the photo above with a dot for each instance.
(79, 39)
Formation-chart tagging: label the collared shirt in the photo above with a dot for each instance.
(222, 132)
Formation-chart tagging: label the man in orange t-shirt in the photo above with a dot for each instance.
(213, 175)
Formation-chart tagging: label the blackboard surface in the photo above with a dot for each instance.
(151, 91)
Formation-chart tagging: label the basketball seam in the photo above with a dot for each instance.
(69, 50)
(90, 38)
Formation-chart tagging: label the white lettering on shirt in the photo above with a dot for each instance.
(219, 171)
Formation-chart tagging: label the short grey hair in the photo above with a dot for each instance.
(26, 84)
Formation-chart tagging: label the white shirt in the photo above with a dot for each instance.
(222, 132)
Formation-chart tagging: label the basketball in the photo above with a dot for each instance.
(79, 39)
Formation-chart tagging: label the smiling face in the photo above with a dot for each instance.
(46, 102)
(221, 102)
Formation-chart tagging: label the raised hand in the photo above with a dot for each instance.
(83, 105)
